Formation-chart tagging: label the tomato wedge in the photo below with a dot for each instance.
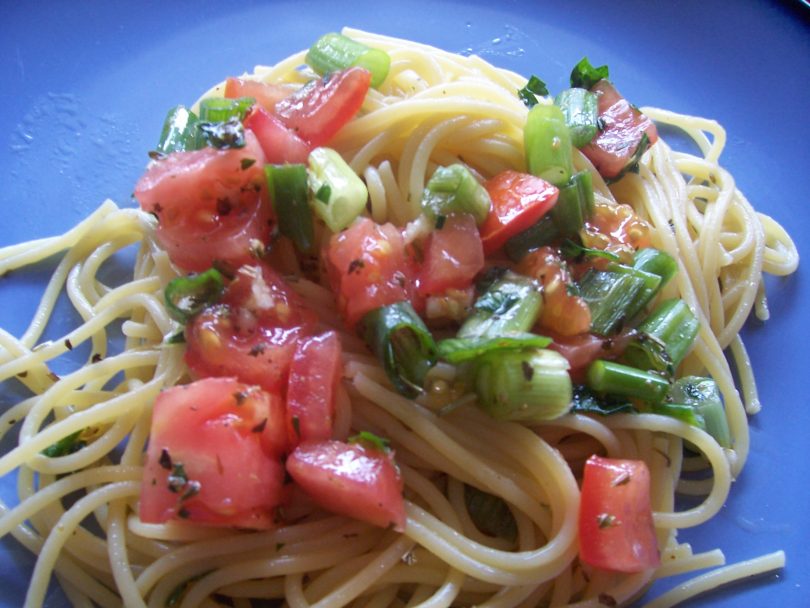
(322, 107)
(314, 375)
(519, 200)
(453, 255)
(251, 334)
(266, 95)
(214, 455)
(279, 143)
(622, 127)
(616, 529)
(351, 479)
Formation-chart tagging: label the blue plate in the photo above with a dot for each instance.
(86, 87)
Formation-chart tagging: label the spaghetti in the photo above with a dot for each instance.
(434, 109)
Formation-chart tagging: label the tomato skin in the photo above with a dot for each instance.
(519, 200)
(252, 333)
(279, 143)
(453, 255)
(368, 268)
(219, 430)
(267, 95)
(311, 390)
(616, 530)
(352, 480)
(210, 204)
(322, 107)
(624, 126)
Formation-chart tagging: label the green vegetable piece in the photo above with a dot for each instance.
(585, 401)
(534, 87)
(186, 296)
(374, 441)
(65, 446)
(584, 75)
(657, 262)
(664, 338)
(397, 335)
(610, 295)
(221, 135)
(454, 189)
(332, 52)
(544, 232)
(528, 385)
(651, 285)
(547, 144)
(179, 131)
(610, 378)
(288, 189)
(337, 194)
(703, 396)
(510, 304)
(221, 109)
(459, 350)
(490, 513)
(684, 413)
(580, 110)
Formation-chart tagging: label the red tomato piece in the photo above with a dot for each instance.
(252, 332)
(519, 200)
(453, 255)
(279, 143)
(368, 268)
(616, 529)
(322, 107)
(266, 95)
(314, 375)
(622, 128)
(211, 204)
(213, 456)
(350, 479)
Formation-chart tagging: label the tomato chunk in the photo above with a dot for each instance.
(267, 95)
(453, 255)
(519, 200)
(213, 456)
(211, 204)
(350, 479)
(279, 143)
(368, 268)
(616, 529)
(322, 107)
(623, 126)
(252, 332)
(314, 375)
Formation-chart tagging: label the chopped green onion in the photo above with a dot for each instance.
(570, 249)
(332, 52)
(397, 335)
(580, 109)
(338, 195)
(490, 513)
(528, 385)
(458, 350)
(65, 446)
(612, 378)
(702, 395)
(585, 401)
(547, 144)
(584, 75)
(287, 185)
(186, 296)
(454, 189)
(221, 109)
(510, 304)
(179, 131)
(221, 135)
(651, 285)
(684, 413)
(375, 441)
(657, 262)
(534, 87)
(610, 295)
(544, 232)
(664, 338)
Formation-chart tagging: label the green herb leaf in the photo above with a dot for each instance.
(186, 296)
(370, 439)
(490, 513)
(534, 87)
(584, 75)
(65, 446)
(571, 249)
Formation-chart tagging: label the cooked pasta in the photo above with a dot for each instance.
(434, 109)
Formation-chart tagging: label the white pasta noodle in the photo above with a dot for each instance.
(434, 108)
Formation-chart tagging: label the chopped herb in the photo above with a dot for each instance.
(68, 344)
(192, 489)
(165, 460)
(223, 135)
(224, 206)
(440, 220)
(65, 446)
(239, 397)
(177, 478)
(324, 193)
(95, 358)
(259, 427)
(257, 349)
(606, 520)
(23, 374)
(570, 249)
(534, 87)
(622, 479)
(607, 600)
(490, 513)
(279, 546)
(356, 266)
(528, 370)
(372, 440)
(296, 426)
(584, 75)
(247, 163)
(178, 338)
(183, 513)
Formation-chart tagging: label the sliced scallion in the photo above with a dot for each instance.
(337, 194)
(610, 295)
(547, 144)
(287, 185)
(186, 296)
(332, 52)
(221, 109)
(179, 131)
(454, 189)
(580, 109)
(611, 378)
(459, 350)
(510, 304)
(664, 338)
(702, 395)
